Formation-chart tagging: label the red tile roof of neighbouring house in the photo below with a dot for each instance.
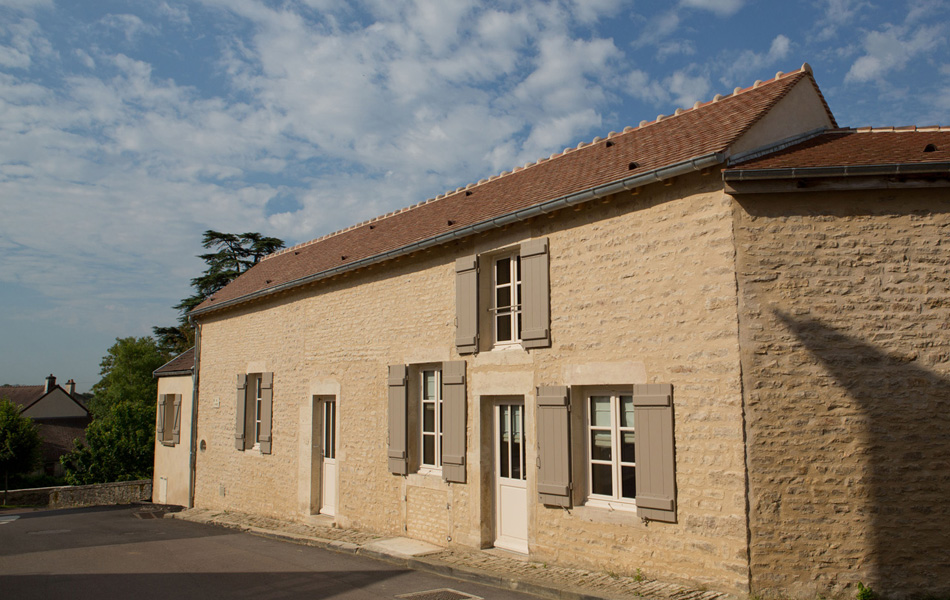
(183, 364)
(863, 147)
(705, 129)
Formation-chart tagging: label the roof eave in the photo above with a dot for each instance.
(656, 175)
(836, 171)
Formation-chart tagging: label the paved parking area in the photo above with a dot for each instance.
(102, 553)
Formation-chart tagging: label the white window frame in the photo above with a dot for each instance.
(615, 501)
(514, 309)
(256, 401)
(434, 468)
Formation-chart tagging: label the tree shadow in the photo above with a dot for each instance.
(891, 427)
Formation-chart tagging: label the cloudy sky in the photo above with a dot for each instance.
(127, 128)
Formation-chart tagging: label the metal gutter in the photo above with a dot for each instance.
(193, 437)
(776, 146)
(681, 168)
(851, 171)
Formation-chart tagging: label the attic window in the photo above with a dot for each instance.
(268, 281)
(930, 148)
(451, 222)
(633, 166)
(372, 227)
(468, 193)
(296, 252)
(343, 257)
(609, 144)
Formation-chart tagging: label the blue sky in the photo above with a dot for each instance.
(128, 128)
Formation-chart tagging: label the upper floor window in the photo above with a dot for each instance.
(254, 409)
(507, 299)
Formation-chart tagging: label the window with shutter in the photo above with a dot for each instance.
(160, 421)
(611, 451)
(554, 451)
(253, 412)
(176, 419)
(656, 461)
(453, 423)
(398, 447)
(536, 308)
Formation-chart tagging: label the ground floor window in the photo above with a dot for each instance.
(612, 461)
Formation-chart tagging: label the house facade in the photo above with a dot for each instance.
(171, 477)
(60, 416)
(635, 354)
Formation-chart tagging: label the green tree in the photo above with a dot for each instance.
(120, 440)
(233, 254)
(19, 443)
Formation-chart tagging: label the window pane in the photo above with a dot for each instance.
(516, 458)
(516, 421)
(601, 480)
(627, 447)
(502, 271)
(428, 449)
(428, 417)
(503, 327)
(629, 484)
(503, 435)
(502, 297)
(600, 411)
(518, 267)
(626, 411)
(428, 390)
(600, 445)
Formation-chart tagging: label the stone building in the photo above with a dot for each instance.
(712, 347)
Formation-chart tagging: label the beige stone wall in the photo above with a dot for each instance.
(845, 329)
(170, 476)
(642, 290)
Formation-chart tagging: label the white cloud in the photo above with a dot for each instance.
(131, 26)
(892, 48)
(750, 63)
(837, 14)
(591, 11)
(681, 89)
(720, 7)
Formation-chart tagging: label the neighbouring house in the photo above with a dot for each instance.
(713, 348)
(171, 478)
(61, 417)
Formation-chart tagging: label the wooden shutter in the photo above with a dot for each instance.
(535, 295)
(240, 407)
(398, 448)
(554, 451)
(653, 422)
(453, 421)
(160, 427)
(466, 305)
(176, 428)
(267, 411)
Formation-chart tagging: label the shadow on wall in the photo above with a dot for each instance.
(899, 430)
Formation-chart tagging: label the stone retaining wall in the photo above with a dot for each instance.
(75, 496)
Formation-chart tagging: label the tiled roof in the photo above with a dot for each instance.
(860, 147)
(183, 363)
(22, 395)
(704, 129)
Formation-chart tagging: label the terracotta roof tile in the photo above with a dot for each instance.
(860, 147)
(181, 363)
(704, 129)
(22, 395)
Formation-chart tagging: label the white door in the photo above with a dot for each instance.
(511, 494)
(329, 493)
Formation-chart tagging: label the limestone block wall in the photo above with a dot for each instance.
(845, 333)
(170, 476)
(642, 290)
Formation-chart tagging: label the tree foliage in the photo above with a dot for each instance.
(120, 440)
(19, 442)
(233, 254)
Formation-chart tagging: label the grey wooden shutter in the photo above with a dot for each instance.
(267, 411)
(453, 421)
(554, 450)
(160, 426)
(535, 295)
(466, 305)
(398, 447)
(653, 428)
(176, 428)
(240, 407)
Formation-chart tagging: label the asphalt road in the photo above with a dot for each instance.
(105, 553)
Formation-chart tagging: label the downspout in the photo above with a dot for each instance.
(193, 438)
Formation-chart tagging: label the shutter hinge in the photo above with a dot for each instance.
(539, 462)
